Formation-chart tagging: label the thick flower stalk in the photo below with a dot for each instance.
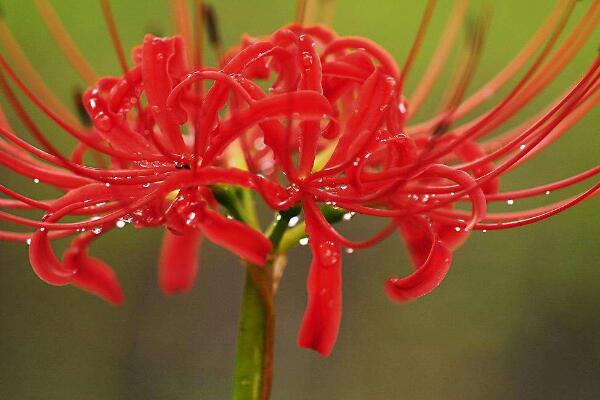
(317, 125)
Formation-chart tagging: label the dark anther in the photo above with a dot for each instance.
(81, 111)
(212, 26)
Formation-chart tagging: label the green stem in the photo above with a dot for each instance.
(255, 333)
(254, 360)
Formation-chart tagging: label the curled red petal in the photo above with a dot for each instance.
(98, 278)
(452, 237)
(321, 322)
(44, 262)
(162, 60)
(179, 261)
(431, 257)
(237, 237)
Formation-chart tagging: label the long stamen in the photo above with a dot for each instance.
(513, 220)
(65, 42)
(311, 12)
(114, 34)
(553, 20)
(464, 74)
(552, 28)
(199, 34)
(183, 24)
(29, 73)
(214, 34)
(496, 116)
(64, 125)
(301, 11)
(440, 56)
(414, 50)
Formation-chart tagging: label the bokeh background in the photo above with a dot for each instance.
(517, 318)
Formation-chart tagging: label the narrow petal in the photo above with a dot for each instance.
(98, 278)
(44, 262)
(237, 237)
(179, 261)
(92, 274)
(321, 323)
(429, 255)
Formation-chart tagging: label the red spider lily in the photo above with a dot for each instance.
(377, 164)
(335, 123)
(154, 176)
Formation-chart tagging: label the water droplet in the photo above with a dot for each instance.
(329, 254)
(36, 180)
(348, 216)
(103, 122)
(293, 221)
(259, 143)
(190, 218)
(522, 147)
(547, 192)
(457, 228)
(28, 241)
(303, 241)
(402, 107)
(510, 202)
(349, 250)
(484, 231)
(307, 60)
(120, 224)
(97, 231)
(107, 184)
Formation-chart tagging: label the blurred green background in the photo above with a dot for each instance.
(517, 318)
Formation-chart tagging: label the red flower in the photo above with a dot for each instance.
(335, 124)
(153, 177)
(366, 158)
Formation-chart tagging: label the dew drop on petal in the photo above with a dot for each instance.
(307, 60)
(120, 223)
(103, 122)
(190, 218)
(328, 254)
(303, 241)
(348, 216)
(547, 192)
(28, 241)
(259, 143)
(510, 202)
(36, 180)
(293, 221)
